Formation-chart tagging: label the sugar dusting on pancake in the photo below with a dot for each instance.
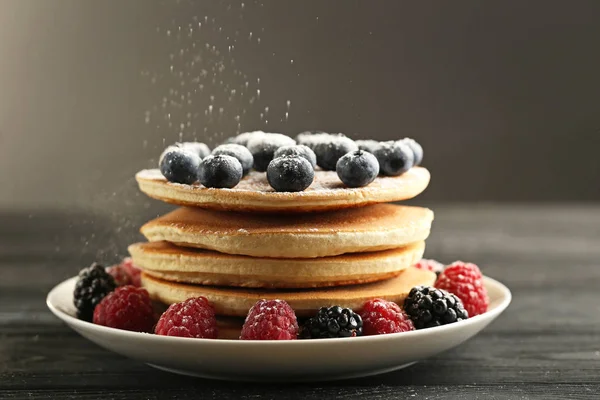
(254, 193)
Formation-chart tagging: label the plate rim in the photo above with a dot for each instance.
(74, 323)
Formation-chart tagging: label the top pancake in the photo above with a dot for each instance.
(254, 193)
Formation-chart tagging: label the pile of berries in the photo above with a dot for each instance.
(289, 163)
(112, 297)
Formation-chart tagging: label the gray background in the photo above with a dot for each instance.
(503, 95)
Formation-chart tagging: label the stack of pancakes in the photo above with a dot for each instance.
(328, 245)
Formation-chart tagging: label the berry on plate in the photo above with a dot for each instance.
(270, 320)
(299, 150)
(331, 148)
(466, 282)
(238, 151)
(93, 283)
(380, 317)
(178, 165)
(128, 308)
(263, 148)
(119, 274)
(135, 273)
(220, 171)
(333, 322)
(290, 174)
(193, 318)
(357, 168)
(395, 158)
(429, 265)
(428, 307)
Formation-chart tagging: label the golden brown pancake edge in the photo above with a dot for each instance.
(253, 193)
(237, 301)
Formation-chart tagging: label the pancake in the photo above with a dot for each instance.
(371, 228)
(237, 302)
(229, 327)
(166, 261)
(254, 193)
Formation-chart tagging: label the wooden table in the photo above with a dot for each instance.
(545, 346)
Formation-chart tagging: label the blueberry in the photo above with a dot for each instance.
(178, 165)
(263, 148)
(358, 168)
(312, 138)
(220, 171)
(238, 151)
(416, 149)
(309, 136)
(196, 147)
(330, 150)
(297, 150)
(367, 145)
(290, 174)
(395, 158)
(244, 138)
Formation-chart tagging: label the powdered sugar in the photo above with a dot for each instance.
(326, 183)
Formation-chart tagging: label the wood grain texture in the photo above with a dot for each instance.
(546, 345)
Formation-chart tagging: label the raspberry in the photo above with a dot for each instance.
(193, 318)
(466, 282)
(381, 317)
(270, 320)
(430, 265)
(128, 308)
(134, 272)
(119, 274)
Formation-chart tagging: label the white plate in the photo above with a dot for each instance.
(296, 360)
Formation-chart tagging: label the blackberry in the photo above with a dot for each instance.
(290, 174)
(93, 284)
(330, 149)
(237, 151)
(297, 150)
(428, 307)
(358, 168)
(333, 322)
(220, 171)
(263, 148)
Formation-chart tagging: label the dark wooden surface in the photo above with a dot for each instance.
(545, 346)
